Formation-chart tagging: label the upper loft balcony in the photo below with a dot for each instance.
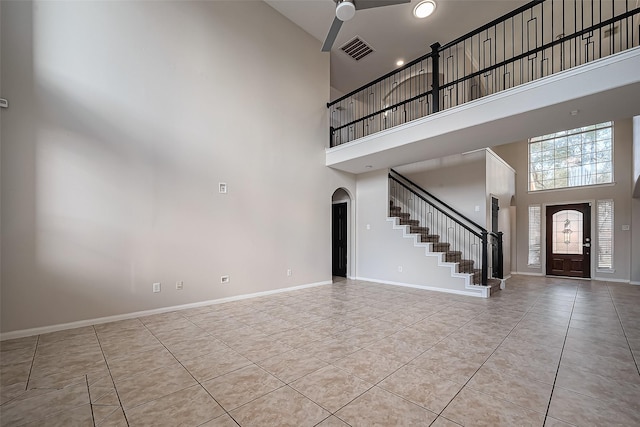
(544, 67)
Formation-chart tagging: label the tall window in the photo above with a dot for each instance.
(572, 158)
(534, 236)
(604, 220)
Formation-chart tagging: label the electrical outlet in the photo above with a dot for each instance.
(156, 287)
(179, 285)
(399, 269)
(289, 272)
(222, 187)
(225, 279)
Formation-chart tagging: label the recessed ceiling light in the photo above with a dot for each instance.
(399, 62)
(368, 166)
(424, 9)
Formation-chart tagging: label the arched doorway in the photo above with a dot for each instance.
(340, 208)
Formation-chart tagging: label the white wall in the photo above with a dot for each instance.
(635, 205)
(516, 155)
(124, 118)
(501, 184)
(1, 116)
(459, 181)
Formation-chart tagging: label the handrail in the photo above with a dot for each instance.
(439, 201)
(556, 42)
(441, 48)
(492, 23)
(457, 221)
(379, 79)
(389, 108)
(484, 61)
(474, 229)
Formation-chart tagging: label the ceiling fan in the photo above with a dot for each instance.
(346, 9)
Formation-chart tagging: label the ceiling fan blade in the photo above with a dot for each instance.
(333, 33)
(369, 4)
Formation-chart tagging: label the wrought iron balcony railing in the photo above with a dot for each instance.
(538, 39)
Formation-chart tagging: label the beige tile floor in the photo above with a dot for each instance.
(553, 352)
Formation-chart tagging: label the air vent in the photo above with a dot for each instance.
(356, 48)
(611, 32)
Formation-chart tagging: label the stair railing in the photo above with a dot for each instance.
(467, 241)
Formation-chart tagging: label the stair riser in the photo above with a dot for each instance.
(441, 247)
(419, 230)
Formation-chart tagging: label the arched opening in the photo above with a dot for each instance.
(340, 248)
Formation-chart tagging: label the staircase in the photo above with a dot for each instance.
(463, 265)
(465, 245)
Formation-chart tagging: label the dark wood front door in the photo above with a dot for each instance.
(339, 239)
(569, 240)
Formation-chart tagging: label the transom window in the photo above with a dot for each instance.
(572, 158)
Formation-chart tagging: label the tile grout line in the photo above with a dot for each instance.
(488, 357)
(194, 378)
(33, 361)
(86, 379)
(555, 379)
(402, 366)
(425, 351)
(623, 330)
(110, 376)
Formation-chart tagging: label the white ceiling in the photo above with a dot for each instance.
(392, 31)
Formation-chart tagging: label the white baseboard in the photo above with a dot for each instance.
(608, 279)
(602, 279)
(527, 273)
(426, 288)
(88, 322)
(633, 282)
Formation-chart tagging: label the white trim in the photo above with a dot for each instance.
(500, 159)
(633, 282)
(527, 273)
(429, 288)
(100, 320)
(604, 279)
(577, 187)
